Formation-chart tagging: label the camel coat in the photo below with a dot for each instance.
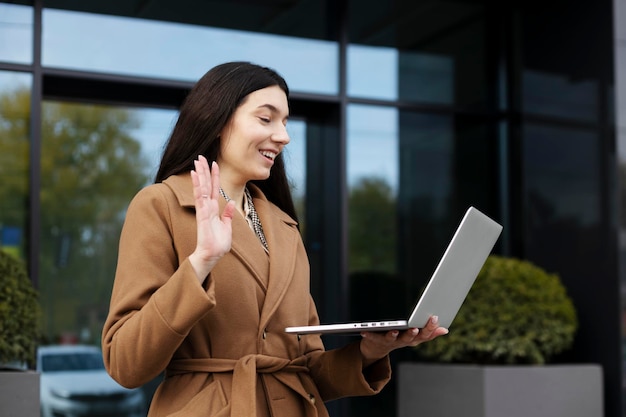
(222, 345)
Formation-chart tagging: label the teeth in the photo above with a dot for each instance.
(268, 154)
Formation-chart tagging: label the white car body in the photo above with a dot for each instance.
(74, 383)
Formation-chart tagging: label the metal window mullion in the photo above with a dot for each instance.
(34, 203)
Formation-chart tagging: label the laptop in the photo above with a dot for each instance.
(448, 286)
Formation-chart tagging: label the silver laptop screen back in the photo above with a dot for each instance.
(457, 269)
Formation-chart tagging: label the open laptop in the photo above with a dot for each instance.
(448, 286)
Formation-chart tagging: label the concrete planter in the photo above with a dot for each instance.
(446, 390)
(19, 393)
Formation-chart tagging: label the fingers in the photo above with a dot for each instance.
(433, 329)
(433, 323)
(429, 332)
(215, 180)
(414, 336)
(206, 181)
(377, 345)
(199, 178)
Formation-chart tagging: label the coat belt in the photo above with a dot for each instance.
(245, 370)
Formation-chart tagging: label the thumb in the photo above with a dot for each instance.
(229, 211)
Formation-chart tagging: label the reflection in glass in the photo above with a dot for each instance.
(562, 174)
(372, 173)
(428, 149)
(446, 164)
(92, 164)
(295, 164)
(375, 72)
(431, 52)
(372, 145)
(427, 78)
(14, 156)
(152, 133)
(16, 33)
(140, 47)
(372, 72)
(559, 95)
(562, 199)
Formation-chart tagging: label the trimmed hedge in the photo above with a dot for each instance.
(20, 313)
(516, 313)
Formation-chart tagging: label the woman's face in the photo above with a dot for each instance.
(254, 136)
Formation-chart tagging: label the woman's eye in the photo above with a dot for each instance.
(264, 119)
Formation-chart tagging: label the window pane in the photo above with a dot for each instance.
(410, 178)
(141, 47)
(372, 173)
(16, 33)
(565, 70)
(560, 95)
(376, 72)
(374, 280)
(295, 163)
(446, 164)
(14, 157)
(152, 132)
(372, 145)
(561, 173)
(563, 201)
(431, 52)
(94, 159)
(373, 72)
(300, 18)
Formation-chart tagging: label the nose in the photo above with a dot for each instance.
(281, 135)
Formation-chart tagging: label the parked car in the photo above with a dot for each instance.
(74, 383)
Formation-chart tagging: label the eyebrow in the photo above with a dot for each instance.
(272, 108)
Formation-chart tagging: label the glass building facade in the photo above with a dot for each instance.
(403, 113)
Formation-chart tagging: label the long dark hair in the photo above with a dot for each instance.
(207, 109)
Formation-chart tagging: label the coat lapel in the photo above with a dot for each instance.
(282, 237)
(248, 249)
(281, 234)
(244, 246)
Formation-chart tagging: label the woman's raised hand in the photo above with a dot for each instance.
(214, 231)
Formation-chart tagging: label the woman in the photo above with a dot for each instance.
(212, 269)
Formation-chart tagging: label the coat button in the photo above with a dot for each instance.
(312, 398)
(299, 337)
(264, 333)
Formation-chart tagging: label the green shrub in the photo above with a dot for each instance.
(20, 313)
(516, 313)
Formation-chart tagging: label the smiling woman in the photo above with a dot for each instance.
(224, 237)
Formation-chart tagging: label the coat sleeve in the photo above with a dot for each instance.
(155, 301)
(339, 372)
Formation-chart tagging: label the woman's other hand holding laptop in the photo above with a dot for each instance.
(375, 346)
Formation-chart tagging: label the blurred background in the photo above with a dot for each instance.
(403, 113)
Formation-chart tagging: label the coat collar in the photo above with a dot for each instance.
(281, 234)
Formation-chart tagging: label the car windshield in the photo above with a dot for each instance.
(71, 362)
